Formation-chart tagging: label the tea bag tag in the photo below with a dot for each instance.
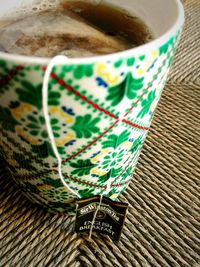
(109, 219)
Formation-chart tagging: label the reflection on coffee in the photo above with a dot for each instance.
(73, 28)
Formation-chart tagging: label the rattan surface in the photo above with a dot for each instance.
(163, 223)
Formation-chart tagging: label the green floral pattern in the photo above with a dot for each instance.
(99, 113)
(85, 126)
(129, 88)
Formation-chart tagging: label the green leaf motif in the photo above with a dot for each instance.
(116, 93)
(104, 178)
(7, 120)
(130, 61)
(3, 88)
(32, 118)
(3, 69)
(66, 68)
(86, 192)
(62, 150)
(122, 138)
(28, 187)
(114, 141)
(30, 93)
(116, 172)
(164, 48)
(134, 86)
(137, 142)
(110, 142)
(126, 173)
(82, 167)
(4, 77)
(85, 126)
(128, 87)
(146, 104)
(36, 129)
(141, 58)
(83, 70)
(43, 151)
(170, 60)
(118, 63)
(54, 98)
(56, 183)
(23, 161)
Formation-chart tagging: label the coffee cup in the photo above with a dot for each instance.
(85, 137)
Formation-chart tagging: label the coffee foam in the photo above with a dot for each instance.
(27, 8)
(24, 9)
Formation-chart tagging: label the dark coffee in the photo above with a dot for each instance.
(75, 29)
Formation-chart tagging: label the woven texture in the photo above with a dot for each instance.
(163, 223)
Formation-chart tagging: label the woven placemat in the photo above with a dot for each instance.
(163, 223)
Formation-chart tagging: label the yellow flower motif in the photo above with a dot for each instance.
(126, 144)
(21, 110)
(68, 137)
(6, 148)
(12, 162)
(113, 196)
(44, 187)
(66, 117)
(153, 106)
(99, 172)
(68, 200)
(26, 136)
(155, 54)
(100, 155)
(141, 71)
(106, 74)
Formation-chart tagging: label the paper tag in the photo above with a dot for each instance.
(109, 220)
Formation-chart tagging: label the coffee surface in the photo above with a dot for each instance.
(75, 29)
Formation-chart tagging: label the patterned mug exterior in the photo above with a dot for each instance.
(100, 114)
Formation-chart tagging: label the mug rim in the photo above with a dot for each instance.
(139, 49)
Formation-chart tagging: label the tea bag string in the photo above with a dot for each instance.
(107, 187)
(54, 61)
(57, 60)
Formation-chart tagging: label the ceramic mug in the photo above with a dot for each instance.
(100, 110)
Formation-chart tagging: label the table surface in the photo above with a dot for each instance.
(163, 223)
